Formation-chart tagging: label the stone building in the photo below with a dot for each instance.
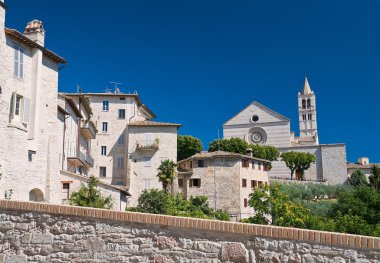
(28, 103)
(363, 164)
(225, 178)
(129, 146)
(261, 125)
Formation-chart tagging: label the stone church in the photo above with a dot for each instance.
(261, 125)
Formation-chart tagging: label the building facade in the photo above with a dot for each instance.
(225, 178)
(260, 125)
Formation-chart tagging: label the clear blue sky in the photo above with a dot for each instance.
(199, 62)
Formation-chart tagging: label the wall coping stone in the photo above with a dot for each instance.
(275, 232)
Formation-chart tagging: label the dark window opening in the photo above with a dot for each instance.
(201, 163)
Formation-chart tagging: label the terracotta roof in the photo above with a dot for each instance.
(202, 155)
(153, 123)
(19, 36)
(361, 166)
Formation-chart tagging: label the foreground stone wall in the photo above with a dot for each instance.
(35, 232)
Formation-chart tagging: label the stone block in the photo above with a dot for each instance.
(303, 248)
(25, 238)
(161, 259)
(164, 242)
(22, 226)
(207, 246)
(234, 251)
(15, 258)
(38, 238)
(6, 225)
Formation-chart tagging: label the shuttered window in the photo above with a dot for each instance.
(26, 115)
(245, 201)
(244, 182)
(195, 182)
(19, 62)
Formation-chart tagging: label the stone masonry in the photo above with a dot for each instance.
(35, 232)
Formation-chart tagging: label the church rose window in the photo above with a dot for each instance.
(255, 118)
(257, 135)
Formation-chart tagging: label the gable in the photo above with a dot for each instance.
(265, 115)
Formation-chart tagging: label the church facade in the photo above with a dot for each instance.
(261, 125)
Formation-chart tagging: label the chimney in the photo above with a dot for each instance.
(363, 160)
(35, 31)
(249, 152)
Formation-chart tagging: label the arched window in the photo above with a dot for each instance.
(303, 104)
(308, 103)
(36, 195)
(304, 117)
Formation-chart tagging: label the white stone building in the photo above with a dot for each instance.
(225, 178)
(129, 146)
(261, 125)
(363, 164)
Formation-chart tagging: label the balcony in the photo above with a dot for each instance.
(76, 157)
(89, 160)
(88, 129)
(146, 145)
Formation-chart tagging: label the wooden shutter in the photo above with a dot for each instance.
(191, 183)
(26, 116)
(199, 182)
(245, 202)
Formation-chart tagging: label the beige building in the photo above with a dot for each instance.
(129, 146)
(363, 164)
(260, 125)
(225, 178)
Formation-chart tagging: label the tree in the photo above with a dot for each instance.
(298, 161)
(156, 202)
(271, 202)
(358, 178)
(234, 145)
(90, 196)
(374, 178)
(264, 152)
(166, 173)
(187, 146)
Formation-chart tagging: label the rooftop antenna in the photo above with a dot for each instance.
(79, 89)
(117, 89)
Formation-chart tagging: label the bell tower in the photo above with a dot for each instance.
(307, 116)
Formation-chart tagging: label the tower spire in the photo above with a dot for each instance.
(306, 90)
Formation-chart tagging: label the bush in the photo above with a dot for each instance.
(358, 179)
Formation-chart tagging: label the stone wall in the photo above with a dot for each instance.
(35, 232)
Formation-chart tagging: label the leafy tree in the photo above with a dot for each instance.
(90, 196)
(358, 179)
(187, 146)
(155, 201)
(374, 178)
(234, 145)
(264, 152)
(166, 173)
(270, 201)
(298, 161)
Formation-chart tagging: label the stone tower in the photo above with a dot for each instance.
(307, 116)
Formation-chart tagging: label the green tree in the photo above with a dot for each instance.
(90, 196)
(166, 173)
(264, 152)
(298, 161)
(270, 201)
(187, 146)
(374, 178)
(358, 179)
(156, 201)
(234, 145)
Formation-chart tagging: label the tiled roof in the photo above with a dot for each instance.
(19, 36)
(222, 154)
(361, 166)
(153, 123)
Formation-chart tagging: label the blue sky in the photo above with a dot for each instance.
(199, 62)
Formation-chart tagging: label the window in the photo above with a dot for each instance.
(102, 171)
(195, 183)
(244, 182)
(105, 127)
(148, 138)
(309, 116)
(259, 166)
(121, 114)
(147, 161)
(104, 150)
(20, 108)
(30, 155)
(255, 118)
(304, 117)
(245, 163)
(120, 162)
(19, 62)
(119, 183)
(253, 164)
(122, 98)
(201, 163)
(105, 105)
(245, 201)
(65, 191)
(253, 183)
(180, 183)
(260, 183)
(121, 140)
(308, 104)
(303, 104)
(147, 183)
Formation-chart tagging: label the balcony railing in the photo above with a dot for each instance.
(76, 157)
(147, 145)
(89, 130)
(89, 160)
